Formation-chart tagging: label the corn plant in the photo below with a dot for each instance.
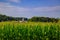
(29, 31)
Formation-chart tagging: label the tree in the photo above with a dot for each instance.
(43, 19)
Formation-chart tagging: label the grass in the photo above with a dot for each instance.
(29, 31)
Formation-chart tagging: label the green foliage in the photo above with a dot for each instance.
(8, 18)
(26, 31)
(43, 19)
(33, 19)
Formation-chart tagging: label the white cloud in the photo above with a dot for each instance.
(17, 1)
(47, 9)
(6, 8)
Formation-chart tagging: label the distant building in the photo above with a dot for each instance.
(23, 20)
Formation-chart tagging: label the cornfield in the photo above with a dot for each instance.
(29, 31)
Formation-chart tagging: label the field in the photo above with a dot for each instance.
(29, 31)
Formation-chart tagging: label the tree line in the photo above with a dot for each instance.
(9, 18)
(33, 19)
(43, 19)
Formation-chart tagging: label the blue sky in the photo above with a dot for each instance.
(30, 8)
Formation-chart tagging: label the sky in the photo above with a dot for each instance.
(30, 8)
